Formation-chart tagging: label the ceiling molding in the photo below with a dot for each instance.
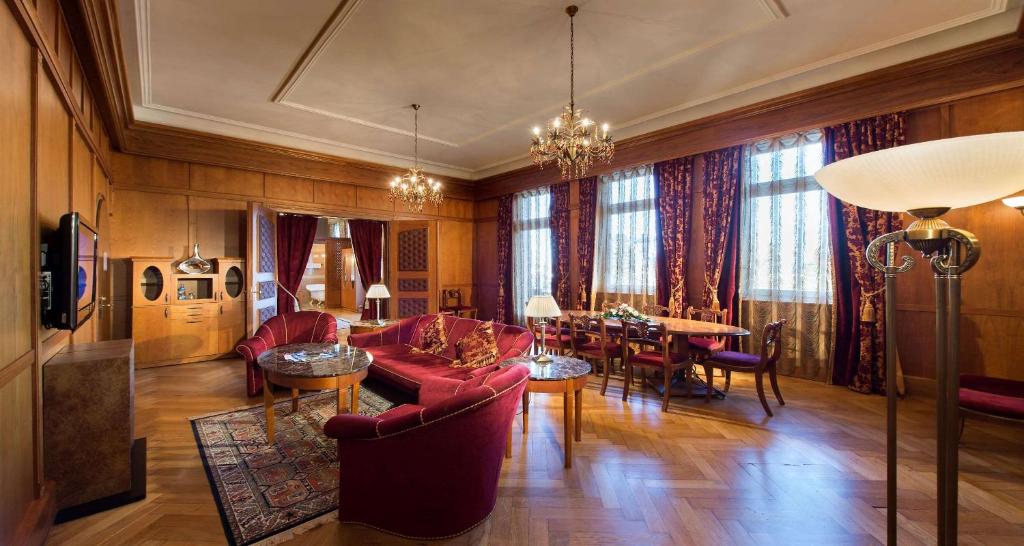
(341, 15)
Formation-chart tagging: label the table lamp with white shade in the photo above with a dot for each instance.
(542, 307)
(378, 292)
(926, 180)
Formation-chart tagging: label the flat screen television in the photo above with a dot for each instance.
(69, 270)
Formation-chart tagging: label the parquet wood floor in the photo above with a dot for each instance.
(719, 473)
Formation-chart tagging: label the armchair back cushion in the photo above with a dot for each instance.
(299, 327)
(430, 471)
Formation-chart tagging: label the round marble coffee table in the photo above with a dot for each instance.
(565, 375)
(312, 366)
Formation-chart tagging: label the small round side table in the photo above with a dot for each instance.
(312, 366)
(565, 375)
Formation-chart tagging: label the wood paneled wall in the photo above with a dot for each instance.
(993, 300)
(55, 156)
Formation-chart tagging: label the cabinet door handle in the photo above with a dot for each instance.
(166, 313)
(167, 297)
(222, 309)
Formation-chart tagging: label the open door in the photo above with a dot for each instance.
(412, 249)
(261, 257)
(104, 283)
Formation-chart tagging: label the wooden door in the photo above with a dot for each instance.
(349, 292)
(261, 258)
(412, 252)
(231, 326)
(334, 273)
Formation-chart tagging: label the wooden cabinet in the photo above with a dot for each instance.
(168, 330)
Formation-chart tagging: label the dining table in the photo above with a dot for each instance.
(680, 330)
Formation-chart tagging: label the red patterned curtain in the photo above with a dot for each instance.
(295, 236)
(859, 360)
(721, 201)
(673, 185)
(585, 241)
(503, 311)
(368, 248)
(560, 244)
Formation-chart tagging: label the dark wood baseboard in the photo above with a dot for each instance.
(136, 493)
(38, 519)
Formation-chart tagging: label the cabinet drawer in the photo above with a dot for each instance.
(193, 311)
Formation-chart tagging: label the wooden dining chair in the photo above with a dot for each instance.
(590, 341)
(606, 305)
(555, 338)
(701, 348)
(655, 310)
(658, 357)
(771, 350)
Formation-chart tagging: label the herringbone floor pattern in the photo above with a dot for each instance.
(719, 473)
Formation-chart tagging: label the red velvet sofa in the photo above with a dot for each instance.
(428, 470)
(299, 327)
(394, 363)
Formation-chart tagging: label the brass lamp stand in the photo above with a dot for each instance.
(951, 253)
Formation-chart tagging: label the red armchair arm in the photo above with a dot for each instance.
(251, 348)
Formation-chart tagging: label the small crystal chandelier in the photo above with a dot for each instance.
(414, 188)
(571, 140)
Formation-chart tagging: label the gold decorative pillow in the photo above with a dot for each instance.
(477, 349)
(433, 338)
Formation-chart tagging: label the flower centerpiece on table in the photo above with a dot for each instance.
(623, 311)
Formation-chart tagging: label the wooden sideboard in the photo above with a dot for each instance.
(179, 318)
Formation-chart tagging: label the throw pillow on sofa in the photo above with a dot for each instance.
(433, 338)
(477, 349)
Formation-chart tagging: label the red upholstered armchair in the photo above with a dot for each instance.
(300, 327)
(428, 470)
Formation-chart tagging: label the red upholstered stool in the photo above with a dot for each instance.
(991, 397)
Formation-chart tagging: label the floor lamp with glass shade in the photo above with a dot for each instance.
(542, 308)
(926, 180)
(378, 292)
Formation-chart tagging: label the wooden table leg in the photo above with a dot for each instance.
(354, 408)
(508, 443)
(526, 411)
(579, 415)
(295, 400)
(567, 412)
(268, 405)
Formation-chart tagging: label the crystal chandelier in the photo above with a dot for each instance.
(415, 188)
(571, 140)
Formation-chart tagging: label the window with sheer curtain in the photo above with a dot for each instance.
(625, 249)
(785, 252)
(531, 248)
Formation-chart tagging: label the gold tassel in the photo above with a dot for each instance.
(867, 311)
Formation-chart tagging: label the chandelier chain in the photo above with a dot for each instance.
(572, 62)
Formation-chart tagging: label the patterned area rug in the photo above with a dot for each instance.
(266, 493)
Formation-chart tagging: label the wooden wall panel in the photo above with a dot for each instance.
(219, 226)
(149, 224)
(330, 193)
(16, 472)
(52, 154)
(82, 193)
(133, 170)
(224, 180)
(374, 199)
(455, 257)
(288, 188)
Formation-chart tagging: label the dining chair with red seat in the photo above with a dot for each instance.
(590, 341)
(655, 310)
(659, 357)
(771, 350)
(555, 337)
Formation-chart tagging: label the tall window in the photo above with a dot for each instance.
(531, 248)
(785, 254)
(625, 250)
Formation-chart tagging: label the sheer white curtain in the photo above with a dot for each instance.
(531, 248)
(785, 254)
(625, 249)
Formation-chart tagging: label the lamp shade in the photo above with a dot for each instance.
(947, 173)
(542, 307)
(377, 291)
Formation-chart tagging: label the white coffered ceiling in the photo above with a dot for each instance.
(337, 76)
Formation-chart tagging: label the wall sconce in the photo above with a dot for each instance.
(1015, 202)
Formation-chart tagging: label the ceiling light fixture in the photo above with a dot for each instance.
(415, 188)
(571, 140)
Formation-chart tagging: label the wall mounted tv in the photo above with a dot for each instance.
(69, 274)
